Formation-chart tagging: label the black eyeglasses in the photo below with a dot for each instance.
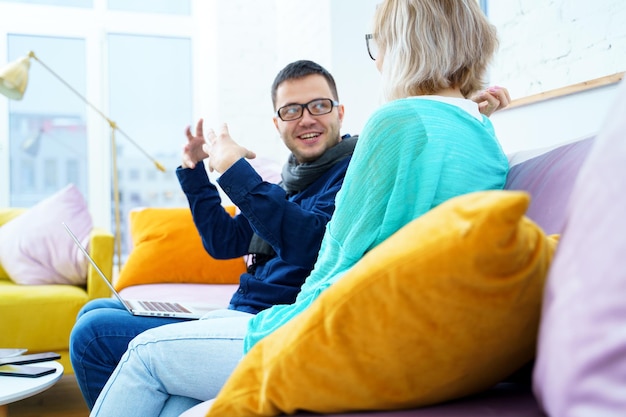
(372, 46)
(317, 107)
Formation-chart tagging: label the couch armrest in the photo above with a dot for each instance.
(101, 247)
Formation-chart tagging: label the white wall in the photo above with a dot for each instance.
(354, 71)
(546, 45)
(553, 122)
(254, 40)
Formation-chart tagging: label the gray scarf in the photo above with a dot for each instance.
(297, 177)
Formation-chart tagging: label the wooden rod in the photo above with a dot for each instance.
(570, 89)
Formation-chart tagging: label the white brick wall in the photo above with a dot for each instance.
(551, 44)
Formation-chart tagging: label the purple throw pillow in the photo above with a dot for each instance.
(581, 361)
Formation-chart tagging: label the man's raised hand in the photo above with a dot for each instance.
(223, 151)
(192, 151)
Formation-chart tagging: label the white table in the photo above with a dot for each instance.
(14, 388)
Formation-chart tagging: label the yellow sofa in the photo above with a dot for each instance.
(40, 317)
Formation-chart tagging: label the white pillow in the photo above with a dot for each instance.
(35, 249)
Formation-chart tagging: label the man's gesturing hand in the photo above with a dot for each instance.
(192, 151)
(223, 151)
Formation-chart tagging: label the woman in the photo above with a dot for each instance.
(427, 144)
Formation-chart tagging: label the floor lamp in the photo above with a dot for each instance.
(13, 82)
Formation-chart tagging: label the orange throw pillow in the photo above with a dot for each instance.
(167, 249)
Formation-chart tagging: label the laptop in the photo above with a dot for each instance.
(148, 308)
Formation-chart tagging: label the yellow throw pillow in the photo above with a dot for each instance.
(7, 214)
(168, 248)
(446, 307)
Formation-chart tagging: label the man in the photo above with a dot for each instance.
(280, 225)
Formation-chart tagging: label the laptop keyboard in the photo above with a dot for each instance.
(163, 306)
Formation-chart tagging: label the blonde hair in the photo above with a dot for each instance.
(429, 45)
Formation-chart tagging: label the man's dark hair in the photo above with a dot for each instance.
(301, 69)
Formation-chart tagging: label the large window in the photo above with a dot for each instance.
(47, 127)
(181, 7)
(137, 60)
(132, 61)
(152, 104)
(67, 3)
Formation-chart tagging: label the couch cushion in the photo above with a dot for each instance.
(446, 307)
(503, 400)
(39, 317)
(549, 178)
(168, 248)
(7, 214)
(35, 249)
(581, 363)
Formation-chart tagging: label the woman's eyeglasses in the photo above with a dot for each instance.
(372, 46)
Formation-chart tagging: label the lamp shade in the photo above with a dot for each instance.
(14, 78)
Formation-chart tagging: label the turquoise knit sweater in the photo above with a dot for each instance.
(412, 155)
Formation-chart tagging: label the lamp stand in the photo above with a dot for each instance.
(116, 199)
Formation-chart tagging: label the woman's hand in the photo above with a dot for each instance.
(492, 99)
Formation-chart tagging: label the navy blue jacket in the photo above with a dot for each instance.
(293, 226)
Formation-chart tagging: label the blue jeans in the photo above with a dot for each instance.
(164, 370)
(98, 340)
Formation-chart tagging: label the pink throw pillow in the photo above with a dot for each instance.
(35, 249)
